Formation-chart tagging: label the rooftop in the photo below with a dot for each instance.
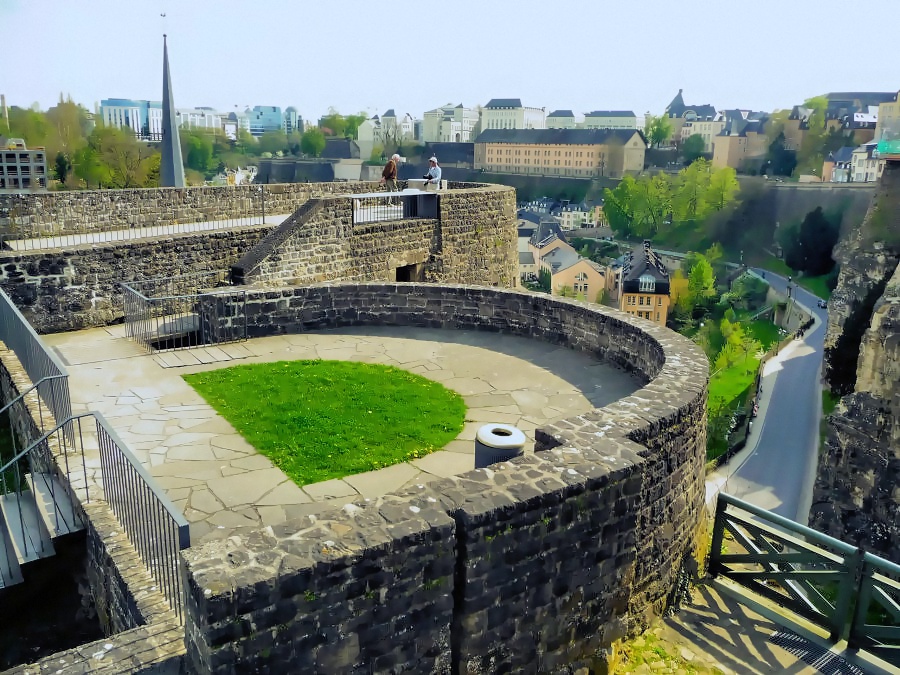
(557, 136)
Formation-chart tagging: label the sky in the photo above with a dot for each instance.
(372, 55)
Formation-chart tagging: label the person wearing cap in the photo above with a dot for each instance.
(389, 174)
(434, 173)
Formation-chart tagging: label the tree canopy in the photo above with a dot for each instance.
(313, 142)
(693, 147)
(657, 129)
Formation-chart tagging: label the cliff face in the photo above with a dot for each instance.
(857, 492)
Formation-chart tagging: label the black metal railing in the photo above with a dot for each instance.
(386, 206)
(154, 526)
(63, 225)
(165, 313)
(39, 362)
(853, 594)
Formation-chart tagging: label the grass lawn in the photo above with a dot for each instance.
(734, 382)
(318, 420)
(765, 331)
(816, 285)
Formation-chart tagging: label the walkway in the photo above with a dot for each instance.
(221, 482)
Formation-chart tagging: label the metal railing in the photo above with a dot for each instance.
(39, 362)
(154, 526)
(64, 226)
(853, 594)
(387, 206)
(165, 313)
(58, 453)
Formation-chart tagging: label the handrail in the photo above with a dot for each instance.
(44, 438)
(31, 388)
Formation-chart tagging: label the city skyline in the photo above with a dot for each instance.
(365, 59)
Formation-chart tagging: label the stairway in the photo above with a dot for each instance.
(29, 522)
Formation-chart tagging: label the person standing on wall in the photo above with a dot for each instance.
(434, 173)
(389, 175)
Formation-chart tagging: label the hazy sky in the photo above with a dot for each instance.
(372, 55)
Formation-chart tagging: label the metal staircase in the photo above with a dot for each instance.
(36, 506)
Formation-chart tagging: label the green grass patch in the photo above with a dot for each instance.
(765, 331)
(732, 384)
(318, 420)
(829, 402)
(684, 236)
(818, 286)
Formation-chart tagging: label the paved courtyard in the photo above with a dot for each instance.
(221, 482)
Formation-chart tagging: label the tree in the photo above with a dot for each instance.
(689, 200)
(723, 186)
(808, 248)
(693, 148)
(197, 149)
(652, 204)
(333, 124)
(274, 141)
(618, 206)
(63, 167)
(566, 291)
(781, 162)
(657, 129)
(701, 280)
(313, 142)
(352, 122)
(122, 155)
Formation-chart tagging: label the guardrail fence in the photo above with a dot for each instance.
(851, 593)
(155, 527)
(165, 313)
(385, 206)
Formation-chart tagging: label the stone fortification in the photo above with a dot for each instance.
(535, 565)
(855, 497)
(473, 241)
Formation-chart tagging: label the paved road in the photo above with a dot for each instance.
(777, 469)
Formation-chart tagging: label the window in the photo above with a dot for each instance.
(659, 302)
(657, 316)
(641, 300)
(647, 283)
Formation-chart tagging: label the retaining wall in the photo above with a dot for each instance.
(533, 565)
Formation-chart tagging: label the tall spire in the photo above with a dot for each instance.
(171, 168)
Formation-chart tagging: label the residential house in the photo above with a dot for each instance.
(837, 167)
(644, 284)
(509, 113)
(706, 128)
(561, 119)
(585, 153)
(449, 124)
(21, 168)
(575, 216)
(865, 166)
(742, 145)
(679, 113)
(610, 119)
(588, 280)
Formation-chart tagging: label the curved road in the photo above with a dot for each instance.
(776, 470)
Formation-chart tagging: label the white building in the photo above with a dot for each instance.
(20, 168)
(610, 119)
(143, 117)
(707, 129)
(561, 119)
(198, 118)
(449, 124)
(865, 167)
(385, 129)
(509, 113)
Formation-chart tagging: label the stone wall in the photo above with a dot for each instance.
(144, 634)
(473, 241)
(69, 212)
(554, 556)
(78, 287)
(855, 497)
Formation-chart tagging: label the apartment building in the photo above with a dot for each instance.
(144, 118)
(707, 129)
(865, 166)
(20, 168)
(561, 119)
(644, 285)
(610, 119)
(584, 153)
(679, 113)
(509, 113)
(742, 145)
(449, 124)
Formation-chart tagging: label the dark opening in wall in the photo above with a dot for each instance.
(415, 272)
(52, 610)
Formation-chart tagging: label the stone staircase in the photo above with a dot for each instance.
(30, 520)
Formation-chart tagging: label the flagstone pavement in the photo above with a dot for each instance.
(220, 482)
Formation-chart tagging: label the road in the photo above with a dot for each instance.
(776, 470)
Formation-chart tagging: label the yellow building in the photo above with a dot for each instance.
(888, 125)
(644, 284)
(741, 145)
(706, 129)
(586, 153)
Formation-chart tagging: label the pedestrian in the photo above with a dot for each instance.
(389, 175)
(434, 173)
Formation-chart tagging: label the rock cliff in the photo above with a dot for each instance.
(857, 492)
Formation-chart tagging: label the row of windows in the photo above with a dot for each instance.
(639, 300)
(537, 153)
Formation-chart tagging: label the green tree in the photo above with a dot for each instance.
(618, 206)
(812, 147)
(89, 168)
(313, 142)
(723, 186)
(566, 291)
(62, 166)
(68, 128)
(781, 161)
(30, 125)
(545, 279)
(701, 280)
(689, 199)
(197, 149)
(657, 129)
(352, 122)
(808, 248)
(333, 124)
(693, 148)
(123, 157)
(274, 141)
(652, 204)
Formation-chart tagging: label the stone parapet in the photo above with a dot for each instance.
(555, 555)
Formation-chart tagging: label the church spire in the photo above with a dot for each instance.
(171, 169)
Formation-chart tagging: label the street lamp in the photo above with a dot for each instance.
(262, 192)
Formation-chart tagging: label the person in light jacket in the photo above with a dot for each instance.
(434, 173)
